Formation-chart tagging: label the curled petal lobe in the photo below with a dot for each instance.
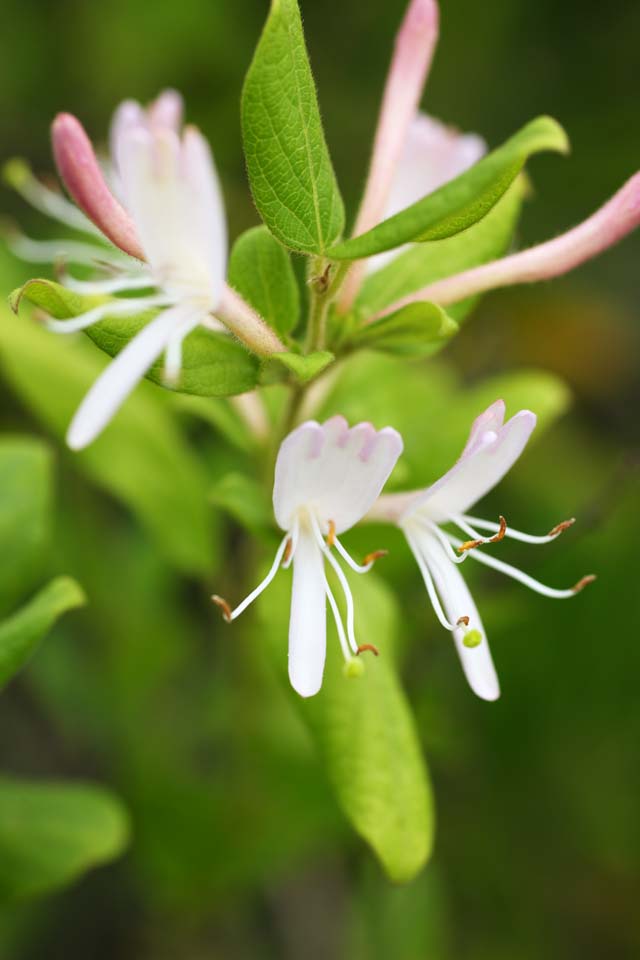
(491, 451)
(83, 178)
(307, 625)
(332, 470)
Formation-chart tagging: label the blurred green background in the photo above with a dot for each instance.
(238, 849)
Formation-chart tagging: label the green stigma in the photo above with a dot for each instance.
(15, 173)
(472, 638)
(354, 667)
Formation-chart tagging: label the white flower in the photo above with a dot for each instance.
(492, 449)
(326, 478)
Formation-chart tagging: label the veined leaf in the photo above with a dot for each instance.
(213, 364)
(414, 331)
(303, 367)
(260, 269)
(51, 833)
(462, 202)
(290, 170)
(21, 633)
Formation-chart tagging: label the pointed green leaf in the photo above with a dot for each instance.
(304, 367)
(21, 633)
(52, 833)
(245, 500)
(260, 269)
(423, 264)
(290, 170)
(414, 330)
(25, 514)
(462, 202)
(141, 458)
(213, 364)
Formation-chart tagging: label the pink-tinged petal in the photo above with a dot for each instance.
(457, 601)
(115, 384)
(617, 218)
(308, 621)
(491, 451)
(414, 48)
(335, 472)
(127, 116)
(83, 178)
(166, 111)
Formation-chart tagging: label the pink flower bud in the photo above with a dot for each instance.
(83, 178)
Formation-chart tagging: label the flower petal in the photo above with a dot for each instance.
(308, 623)
(491, 451)
(458, 602)
(335, 471)
(120, 377)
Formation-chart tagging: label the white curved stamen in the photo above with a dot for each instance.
(338, 621)
(53, 204)
(112, 285)
(346, 556)
(343, 582)
(429, 584)
(437, 532)
(516, 574)
(510, 532)
(265, 583)
(461, 522)
(123, 308)
(50, 251)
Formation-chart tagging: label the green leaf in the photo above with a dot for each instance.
(213, 364)
(21, 633)
(364, 729)
(141, 458)
(413, 331)
(260, 269)
(290, 170)
(50, 834)
(245, 500)
(304, 367)
(25, 514)
(423, 264)
(462, 202)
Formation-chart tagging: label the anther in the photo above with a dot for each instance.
(470, 545)
(462, 622)
(287, 552)
(331, 536)
(561, 527)
(501, 532)
(223, 605)
(372, 557)
(581, 584)
(369, 646)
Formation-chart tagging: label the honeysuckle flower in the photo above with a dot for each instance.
(610, 224)
(327, 477)
(433, 155)
(171, 222)
(492, 449)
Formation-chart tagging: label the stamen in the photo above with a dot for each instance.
(462, 622)
(470, 545)
(366, 564)
(524, 578)
(446, 546)
(512, 534)
(343, 582)
(429, 584)
(331, 536)
(479, 542)
(123, 308)
(112, 285)
(48, 251)
(338, 621)
(290, 549)
(500, 535)
(368, 646)
(287, 553)
(229, 614)
(224, 606)
(20, 177)
(584, 582)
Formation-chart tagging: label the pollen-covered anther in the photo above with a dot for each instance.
(500, 535)
(362, 647)
(462, 622)
(223, 605)
(561, 527)
(584, 582)
(331, 536)
(470, 545)
(373, 556)
(286, 556)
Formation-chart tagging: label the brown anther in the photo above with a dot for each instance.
(561, 527)
(470, 545)
(287, 552)
(331, 536)
(369, 646)
(462, 622)
(372, 557)
(224, 606)
(501, 532)
(581, 584)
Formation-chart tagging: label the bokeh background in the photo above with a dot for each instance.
(238, 849)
